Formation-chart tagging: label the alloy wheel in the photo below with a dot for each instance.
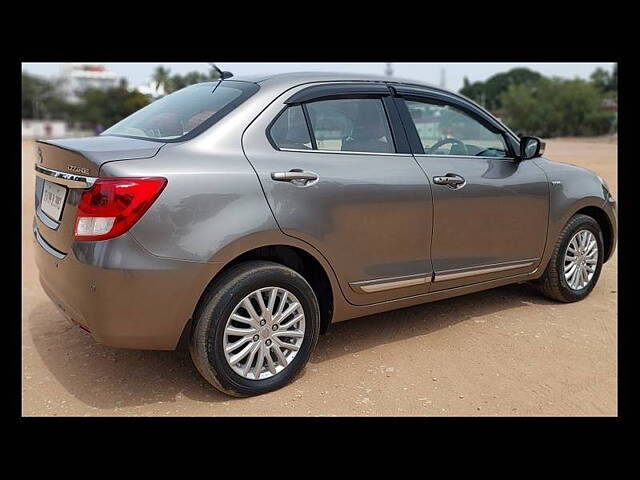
(264, 333)
(581, 259)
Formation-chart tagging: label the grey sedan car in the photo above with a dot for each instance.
(242, 217)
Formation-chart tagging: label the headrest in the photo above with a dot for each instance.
(368, 123)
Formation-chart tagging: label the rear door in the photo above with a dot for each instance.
(337, 172)
(490, 211)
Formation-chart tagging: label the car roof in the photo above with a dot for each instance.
(297, 78)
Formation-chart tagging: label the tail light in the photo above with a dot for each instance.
(112, 205)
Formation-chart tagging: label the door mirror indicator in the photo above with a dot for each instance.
(531, 147)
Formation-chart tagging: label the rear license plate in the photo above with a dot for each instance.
(53, 198)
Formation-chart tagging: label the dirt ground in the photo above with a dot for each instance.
(506, 351)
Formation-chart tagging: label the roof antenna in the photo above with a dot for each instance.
(223, 75)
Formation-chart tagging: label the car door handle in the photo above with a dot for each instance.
(293, 175)
(450, 180)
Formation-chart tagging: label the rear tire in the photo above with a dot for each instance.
(260, 332)
(554, 282)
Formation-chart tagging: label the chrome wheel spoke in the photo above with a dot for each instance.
(289, 333)
(267, 320)
(272, 299)
(290, 309)
(283, 301)
(234, 346)
(281, 358)
(259, 362)
(249, 362)
(246, 303)
(292, 322)
(239, 332)
(260, 299)
(270, 365)
(245, 320)
(239, 356)
(574, 279)
(285, 345)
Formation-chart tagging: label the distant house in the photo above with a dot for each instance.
(77, 77)
(43, 128)
(610, 105)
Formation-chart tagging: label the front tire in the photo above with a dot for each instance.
(255, 329)
(576, 263)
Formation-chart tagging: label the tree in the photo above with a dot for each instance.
(43, 99)
(605, 81)
(171, 83)
(161, 77)
(107, 107)
(488, 93)
(556, 107)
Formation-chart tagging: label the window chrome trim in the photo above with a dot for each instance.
(454, 275)
(345, 152)
(461, 156)
(68, 179)
(383, 284)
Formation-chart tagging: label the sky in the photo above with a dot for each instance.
(454, 73)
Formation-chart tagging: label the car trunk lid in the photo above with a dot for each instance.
(65, 168)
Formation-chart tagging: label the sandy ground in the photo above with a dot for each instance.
(506, 351)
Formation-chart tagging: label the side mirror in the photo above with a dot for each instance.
(531, 147)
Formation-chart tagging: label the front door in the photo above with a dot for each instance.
(335, 176)
(490, 210)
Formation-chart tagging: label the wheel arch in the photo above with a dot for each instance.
(294, 257)
(600, 216)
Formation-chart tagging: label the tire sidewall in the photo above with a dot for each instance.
(214, 321)
(582, 223)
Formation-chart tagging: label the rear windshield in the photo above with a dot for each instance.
(185, 113)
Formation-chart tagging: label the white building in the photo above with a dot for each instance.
(77, 77)
(152, 89)
(43, 128)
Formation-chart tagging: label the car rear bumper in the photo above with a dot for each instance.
(125, 296)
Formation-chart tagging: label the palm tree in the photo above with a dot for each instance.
(162, 76)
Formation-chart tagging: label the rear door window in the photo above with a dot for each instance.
(290, 130)
(351, 125)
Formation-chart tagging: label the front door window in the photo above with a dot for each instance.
(445, 130)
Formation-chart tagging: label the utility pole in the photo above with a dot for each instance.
(442, 78)
(388, 71)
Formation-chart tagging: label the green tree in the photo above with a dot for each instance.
(107, 107)
(176, 82)
(601, 78)
(556, 107)
(161, 77)
(488, 94)
(43, 99)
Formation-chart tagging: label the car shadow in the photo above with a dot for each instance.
(365, 333)
(108, 378)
